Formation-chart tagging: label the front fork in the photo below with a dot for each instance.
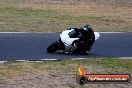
(61, 45)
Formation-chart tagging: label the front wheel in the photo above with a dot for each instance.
(58, 45)
(53, 47)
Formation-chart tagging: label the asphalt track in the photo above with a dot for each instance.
(32, 46)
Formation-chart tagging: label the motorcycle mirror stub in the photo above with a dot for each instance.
(97, 35)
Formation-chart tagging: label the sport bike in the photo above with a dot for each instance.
(75, 40)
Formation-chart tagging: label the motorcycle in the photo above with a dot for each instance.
(75, 40)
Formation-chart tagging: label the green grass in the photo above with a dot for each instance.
(14, 19)
(96, 65)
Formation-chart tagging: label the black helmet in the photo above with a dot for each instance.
(87, 27)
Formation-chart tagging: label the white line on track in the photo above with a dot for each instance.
(113, 32)
(50, 32)
(24, 32)
(49, 59)
(41, 60)
(21, 60)
(3, 61)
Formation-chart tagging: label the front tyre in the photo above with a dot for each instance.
(53, 47)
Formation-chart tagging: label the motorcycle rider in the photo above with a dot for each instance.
(86, 39)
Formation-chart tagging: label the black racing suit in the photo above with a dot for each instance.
(86, 39)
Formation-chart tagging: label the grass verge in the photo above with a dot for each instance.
(61, 74)
(95, 65)
(31, 17)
